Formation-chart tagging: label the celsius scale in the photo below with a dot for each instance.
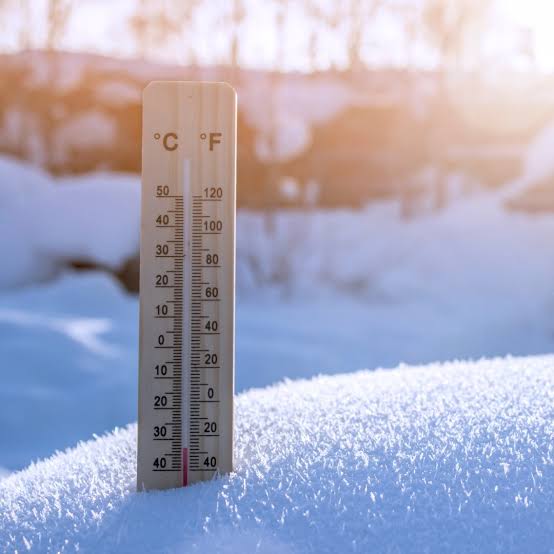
(187, 284)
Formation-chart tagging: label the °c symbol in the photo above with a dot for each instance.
(169, 141)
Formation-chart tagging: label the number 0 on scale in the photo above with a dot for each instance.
(187, 284)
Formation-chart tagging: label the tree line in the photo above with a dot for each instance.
(445, 34)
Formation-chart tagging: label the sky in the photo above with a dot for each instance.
(102, 26)
(537, 17)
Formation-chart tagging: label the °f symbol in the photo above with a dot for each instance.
(215, 138)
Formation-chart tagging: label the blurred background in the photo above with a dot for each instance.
(395, 190)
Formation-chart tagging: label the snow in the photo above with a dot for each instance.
(318, 292)
(539, 163)
(69, 364)
(376, 254)
(285, 138)
(118, 93)
(21, 191)
(296, 107)
(85, 131)
(101, 219)
(454, 457)
(297, 104)
(45, 222)
(442, 458)
(61, 73)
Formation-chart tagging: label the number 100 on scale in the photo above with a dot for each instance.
(187, 284)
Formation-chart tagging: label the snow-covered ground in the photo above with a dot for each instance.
(443, 458)
(46, 222)
(440, 458)
(68, 369)
(439, 288)
(318, 292)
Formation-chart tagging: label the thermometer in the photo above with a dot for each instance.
(187, 284)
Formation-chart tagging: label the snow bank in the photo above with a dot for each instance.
(538, 165)
(538, 162)
(68, 352)
(44, 221)
(468, 249)
(319, 292)
(93, 217)
(471, 248)
(444, 458)
(295, 106)
(83, 132)
(71, 345)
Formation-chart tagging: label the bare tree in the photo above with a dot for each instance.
(155, 22)
(238, 14)
(312, 49)
(358, 15)
(452, 29)
(58, 12)
(23, 10)
(280, 21)
(325, 16)
(25, 32)
(185, 15)
(151, 26)
(357, 19)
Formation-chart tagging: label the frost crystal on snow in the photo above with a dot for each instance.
(442, 458)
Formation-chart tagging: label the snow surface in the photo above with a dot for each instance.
(444, 458)
(340, 290)
(45, 221)
(296, 107)
(118, 93)
(538, 162)
(69, 365)
(303, 252)
(85, 131)
(74, 341)
(318, 292)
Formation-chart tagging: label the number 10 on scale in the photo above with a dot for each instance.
(187, 284)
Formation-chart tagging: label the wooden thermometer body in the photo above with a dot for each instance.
(187, 284)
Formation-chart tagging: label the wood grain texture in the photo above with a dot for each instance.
(188, 221)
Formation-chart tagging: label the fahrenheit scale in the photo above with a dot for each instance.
(187, 284)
